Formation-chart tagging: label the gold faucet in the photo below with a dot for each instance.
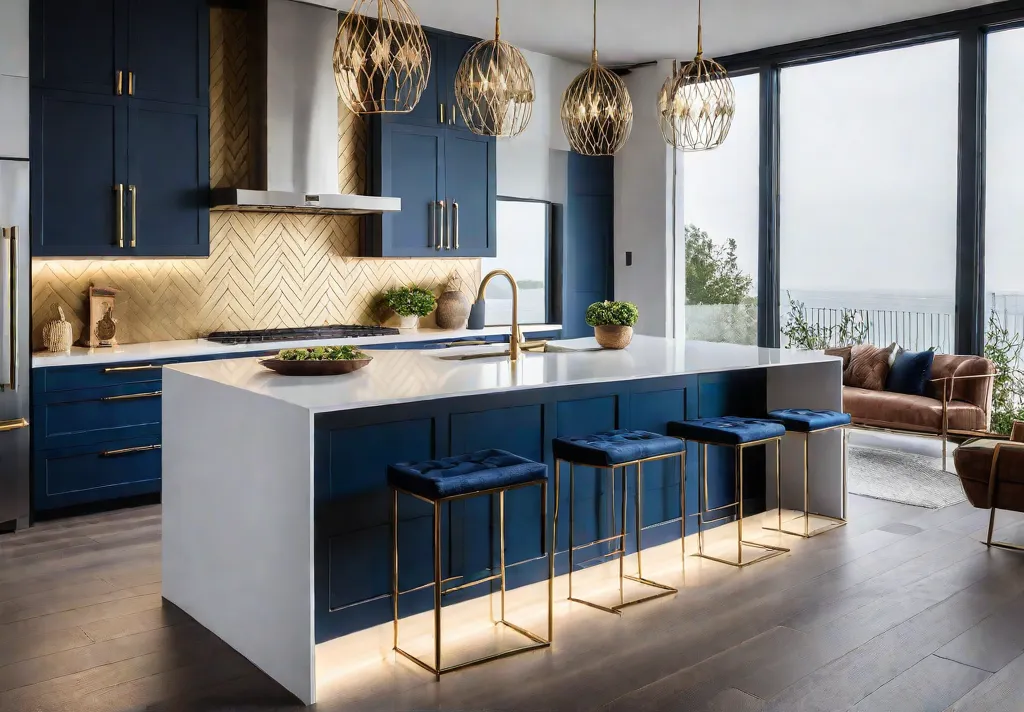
(517, 335)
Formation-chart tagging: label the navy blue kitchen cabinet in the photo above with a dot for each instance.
(169, 180)
(410, 165)
(430, 160)
(79, 46)
(79, 154)
(471, 186)
(120, 145)
(587, 261)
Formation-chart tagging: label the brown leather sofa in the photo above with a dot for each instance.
(957, 402)
(992, 473)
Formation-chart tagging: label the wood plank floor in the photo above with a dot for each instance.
(902, 610)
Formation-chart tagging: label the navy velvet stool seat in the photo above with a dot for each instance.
(484, 472)
(802, 422)
(613, 450)
(739, 434)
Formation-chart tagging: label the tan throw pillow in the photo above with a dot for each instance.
(843, 352)
(869, 367)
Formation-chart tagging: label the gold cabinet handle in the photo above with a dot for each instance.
(131, 83)
(134, 192)
(433, 225)
(120, 82)
(455, 223)
(134, 396)
(120, 369)
(119, 230)
(129, 450)
(442, 112)
(9, 425)
(444, 221)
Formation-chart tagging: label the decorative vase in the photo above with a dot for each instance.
(57, 335)
(452, 306)
(408, 322)
(613, 337)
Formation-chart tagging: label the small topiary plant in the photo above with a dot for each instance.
(410, 301)
(612, 314)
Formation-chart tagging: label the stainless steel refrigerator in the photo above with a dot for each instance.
(15, 292)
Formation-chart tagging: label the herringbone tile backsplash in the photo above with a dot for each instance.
(264, 271)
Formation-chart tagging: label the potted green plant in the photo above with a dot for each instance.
(613, 323)
(410, 304)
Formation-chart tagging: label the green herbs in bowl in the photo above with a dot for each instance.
(318, 361)
(323, 353)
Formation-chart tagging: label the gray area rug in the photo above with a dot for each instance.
(903, 477)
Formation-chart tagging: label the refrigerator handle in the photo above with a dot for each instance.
(16, 424)
(14, 308)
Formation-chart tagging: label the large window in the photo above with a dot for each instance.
(868, 199)
(524, 241)
(1004, 221)
(720, 214)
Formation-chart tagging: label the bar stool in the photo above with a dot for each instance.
(484, 472)
(738, 434)
(613, 450)
(800, 421)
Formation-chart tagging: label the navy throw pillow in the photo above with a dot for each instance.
(910, 372)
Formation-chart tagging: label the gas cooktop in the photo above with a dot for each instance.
(333, 331)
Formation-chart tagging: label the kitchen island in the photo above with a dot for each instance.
(276, 509)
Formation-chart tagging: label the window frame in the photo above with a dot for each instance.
(971, 27)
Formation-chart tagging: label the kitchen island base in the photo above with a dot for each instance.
(277, 512)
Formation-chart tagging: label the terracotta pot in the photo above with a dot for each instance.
(613, 337)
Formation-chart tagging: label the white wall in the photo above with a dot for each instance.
(529, 166)
(644, 209)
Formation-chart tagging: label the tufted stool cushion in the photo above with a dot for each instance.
(465, 474)
(615, 447)
(726, 430)
(801, 420)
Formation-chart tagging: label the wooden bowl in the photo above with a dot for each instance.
(314, 368)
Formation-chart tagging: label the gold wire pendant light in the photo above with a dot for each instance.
(381, 58)
(597, 113)
(494, 86)
(697, 102)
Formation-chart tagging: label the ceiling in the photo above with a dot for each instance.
(639, 30)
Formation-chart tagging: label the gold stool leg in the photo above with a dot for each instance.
(437, 590)
(830, 522)
(572, 520)
(394, 562)
(551, 550)
(622, 538)
(501, 538)
(682, 506)
(768, 550)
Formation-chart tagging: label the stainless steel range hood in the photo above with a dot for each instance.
(294, 129)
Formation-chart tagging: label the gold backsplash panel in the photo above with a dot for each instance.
(264, 270)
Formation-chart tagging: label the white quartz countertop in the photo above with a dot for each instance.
(405, 376)
(158, 350)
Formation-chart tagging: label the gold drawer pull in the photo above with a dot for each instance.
(129, 450)
(133, 396)
(16, 424)
(119, 369)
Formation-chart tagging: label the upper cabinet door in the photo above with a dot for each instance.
(411, 167)
(471, 187)
(78, 45)
(167, 213)
(455, 50)
(79, 157)
(14, 38)
(168, 51)
(428, 109)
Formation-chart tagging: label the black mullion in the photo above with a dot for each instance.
(969, 314)
(768, 292)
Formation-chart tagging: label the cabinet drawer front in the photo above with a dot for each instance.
(74, 378)
(94, 421)
(78, 475)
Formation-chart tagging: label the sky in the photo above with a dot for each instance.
(869, 174)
